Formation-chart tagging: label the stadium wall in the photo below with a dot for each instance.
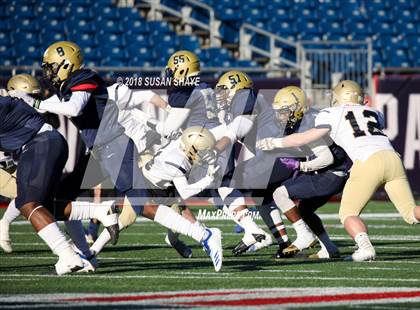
(398, 97)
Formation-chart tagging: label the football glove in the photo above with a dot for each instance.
(212, 171)
(291, 163)
(269, 144)
(208, 156)
(25, 97)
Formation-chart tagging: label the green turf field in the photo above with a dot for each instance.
(142, 262)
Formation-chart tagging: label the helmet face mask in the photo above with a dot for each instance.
(289, 105)
(228, 85)
(283, 116)
(222, 97)
(50, 72)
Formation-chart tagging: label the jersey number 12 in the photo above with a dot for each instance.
(372, 124)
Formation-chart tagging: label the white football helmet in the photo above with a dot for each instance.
(195, 139)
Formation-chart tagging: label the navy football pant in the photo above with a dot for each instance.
(41, 164)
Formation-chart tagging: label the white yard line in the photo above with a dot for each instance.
(187, 275)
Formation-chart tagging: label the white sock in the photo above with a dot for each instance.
(55, 239)
(11, 212)
(168, 218)
(82, 210)
(102, 240)
(247, 222)
(301, 228)
(362, 240)
(328, 244)
(77, 235)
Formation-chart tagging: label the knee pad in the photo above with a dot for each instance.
(128, 215)
(282, 200)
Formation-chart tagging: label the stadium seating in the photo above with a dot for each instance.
(116, 36)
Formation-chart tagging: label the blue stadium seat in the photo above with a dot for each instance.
(47, 38)
(187, 42)
(30, 38)
(50, 11)
(4, 39)
(6, 51)
(78, 11)
(141, 52)
(137, 39)
(106, 12)
(397, 58)
(139, 26)
(21, 10)
(108, 25)
(158, 28)
(52, 24)
(80, 25)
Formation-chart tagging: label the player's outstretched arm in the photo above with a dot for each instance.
(293, 140)
(187, 190)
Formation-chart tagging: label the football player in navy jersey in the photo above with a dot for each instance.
(42, 153)
(318, 177)
(83, 97)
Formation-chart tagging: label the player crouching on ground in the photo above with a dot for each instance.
(358, 130)
(42, 153)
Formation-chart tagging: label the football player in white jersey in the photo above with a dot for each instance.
(358, 130)
(167, 173)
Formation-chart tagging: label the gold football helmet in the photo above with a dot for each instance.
(60, 59)
(26, 83)
(195, 139)
(290, 105)
(182, 65)
(347, 92)
(227, 86)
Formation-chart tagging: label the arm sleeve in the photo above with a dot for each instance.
(174, 121)
(322, 120)
(186, 190)
(71, 108)
(323, 158)
(239, 127)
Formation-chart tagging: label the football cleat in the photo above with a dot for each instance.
(362, 254)
(262, 244)
(324, 254)
(68, 264)
(110, 221)
(89, 263)
(5, 242)
(247, 241)
(172, 240)
(212, 244)
(279, 254)
(292, 249)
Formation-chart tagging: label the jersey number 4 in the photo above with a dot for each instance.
(372, 124)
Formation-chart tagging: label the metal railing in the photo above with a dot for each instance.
(156, 8)
(36, 70)
(274, 51)
(324, 63)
